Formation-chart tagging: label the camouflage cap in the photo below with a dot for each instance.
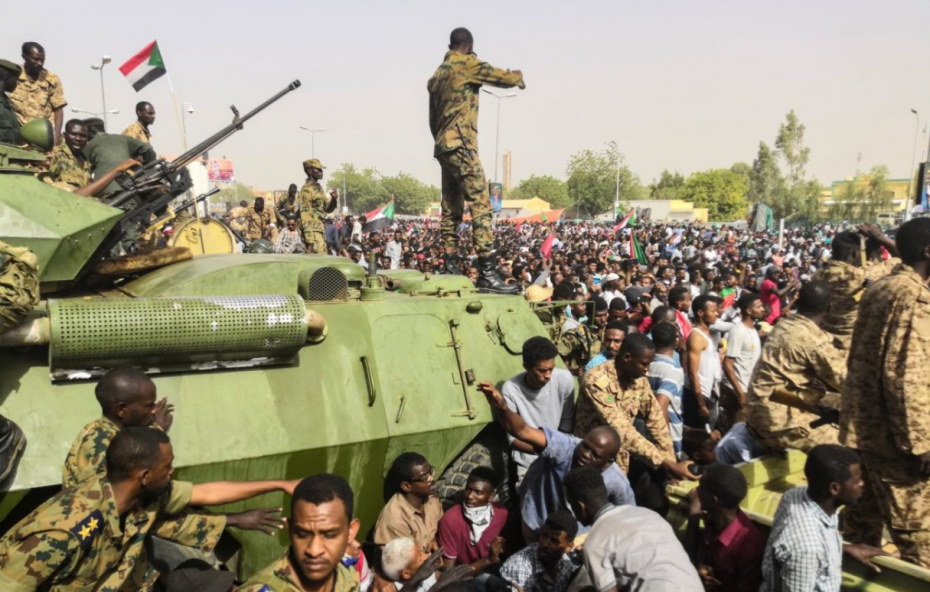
(314, 163)
(8, 65)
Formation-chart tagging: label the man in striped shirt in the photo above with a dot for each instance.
(667, 379)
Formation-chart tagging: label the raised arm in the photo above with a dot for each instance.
(485, 73)
(513, 423)
(228, 492)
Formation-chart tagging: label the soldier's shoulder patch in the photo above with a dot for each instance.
(88, 528)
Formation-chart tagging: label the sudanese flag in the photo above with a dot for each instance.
(145, 67)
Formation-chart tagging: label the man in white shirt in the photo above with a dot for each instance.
(744, 346)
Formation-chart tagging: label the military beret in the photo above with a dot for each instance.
(8, 65)
(314, 163)
(94, 122)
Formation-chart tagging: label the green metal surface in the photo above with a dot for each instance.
(61, 228)
(391, 376)
(90, 336)
(768, 478)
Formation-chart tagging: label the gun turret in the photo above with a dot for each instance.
(149, 190)
(167, 217)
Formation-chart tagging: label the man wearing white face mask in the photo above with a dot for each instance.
(469, 533)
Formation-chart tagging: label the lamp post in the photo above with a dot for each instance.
(616, 149)
(910, 181)
(497, 138)
(111, 112)
(186, 107)
(312, 138)
(104, 60)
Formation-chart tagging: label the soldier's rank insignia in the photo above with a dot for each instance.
(88, 528)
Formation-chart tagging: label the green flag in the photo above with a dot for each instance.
(636, 251)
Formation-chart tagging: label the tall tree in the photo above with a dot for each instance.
(790, 145)
(546, 188)
(592, 181)
(766, 184)
(667, 187)
(864, 198)
(721, 191)
(364, 189)
(411, 196)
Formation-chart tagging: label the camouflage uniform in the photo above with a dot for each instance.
(604, 401)
(886, 411)
(65, 168)
(576, 347)
(453, 119)
(77, 541)
(138, 132)
(847, 283)
(801, 359)
(258, 224)
(9, 123)
(288, 208)
(313, 202)
(39, 98)
(19, 284)
(280, 577)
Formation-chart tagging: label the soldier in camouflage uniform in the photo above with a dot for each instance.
(260, 222)
(800, 359)
(453, 120)
(321, 510)
(849, 273)
(19, 294)
(9, 123)
(313, 207)
(290, 205)
(67, 163)
(81, 540)
(618, 394)
(145, 116)
(886, 410)
(39, 92)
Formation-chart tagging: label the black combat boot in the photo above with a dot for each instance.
(490, 281)
(12, 443)
(452, 264)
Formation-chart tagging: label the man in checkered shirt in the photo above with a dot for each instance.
(805, 550)
(545, 566)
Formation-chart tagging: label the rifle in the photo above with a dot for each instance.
(468, 151)
(151, 188)
(173, 212)
(827, 415)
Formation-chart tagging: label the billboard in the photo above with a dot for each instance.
(220, 169)
(496, 189)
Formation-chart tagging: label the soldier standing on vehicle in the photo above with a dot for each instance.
(290, 205)
(313, 207)
(139, 129)
(453, 121)
(885, 412)
(19, 294)
(106, 152)
(849, 272)
(39, 92)
(9, 124)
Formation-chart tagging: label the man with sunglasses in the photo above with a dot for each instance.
(414, 510)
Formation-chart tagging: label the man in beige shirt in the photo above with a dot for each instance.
(145, 116)
(39, 92)
(414, 511)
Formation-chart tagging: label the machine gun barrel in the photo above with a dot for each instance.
(165, 218)
(159, 171)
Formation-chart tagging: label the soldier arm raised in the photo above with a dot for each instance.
(39, 560)
(484, 73)
(333, 201)
(227, 492)
(905, 374)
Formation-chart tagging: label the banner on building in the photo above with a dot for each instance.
(496, 190)
(220, 169)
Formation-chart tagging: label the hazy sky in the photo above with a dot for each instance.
(684, 85)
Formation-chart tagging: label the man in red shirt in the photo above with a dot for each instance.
(730, 552)
(772, 294)
(469, 533)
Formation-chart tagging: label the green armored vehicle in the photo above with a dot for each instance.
(279, 366)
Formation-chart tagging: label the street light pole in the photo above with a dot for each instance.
(312, 138)
(104, 60)
(616, 149)
(497, 138)
(910, 181)
(186, 107)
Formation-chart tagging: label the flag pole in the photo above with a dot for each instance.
(177, 111)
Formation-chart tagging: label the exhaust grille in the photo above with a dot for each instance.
(327, 285)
